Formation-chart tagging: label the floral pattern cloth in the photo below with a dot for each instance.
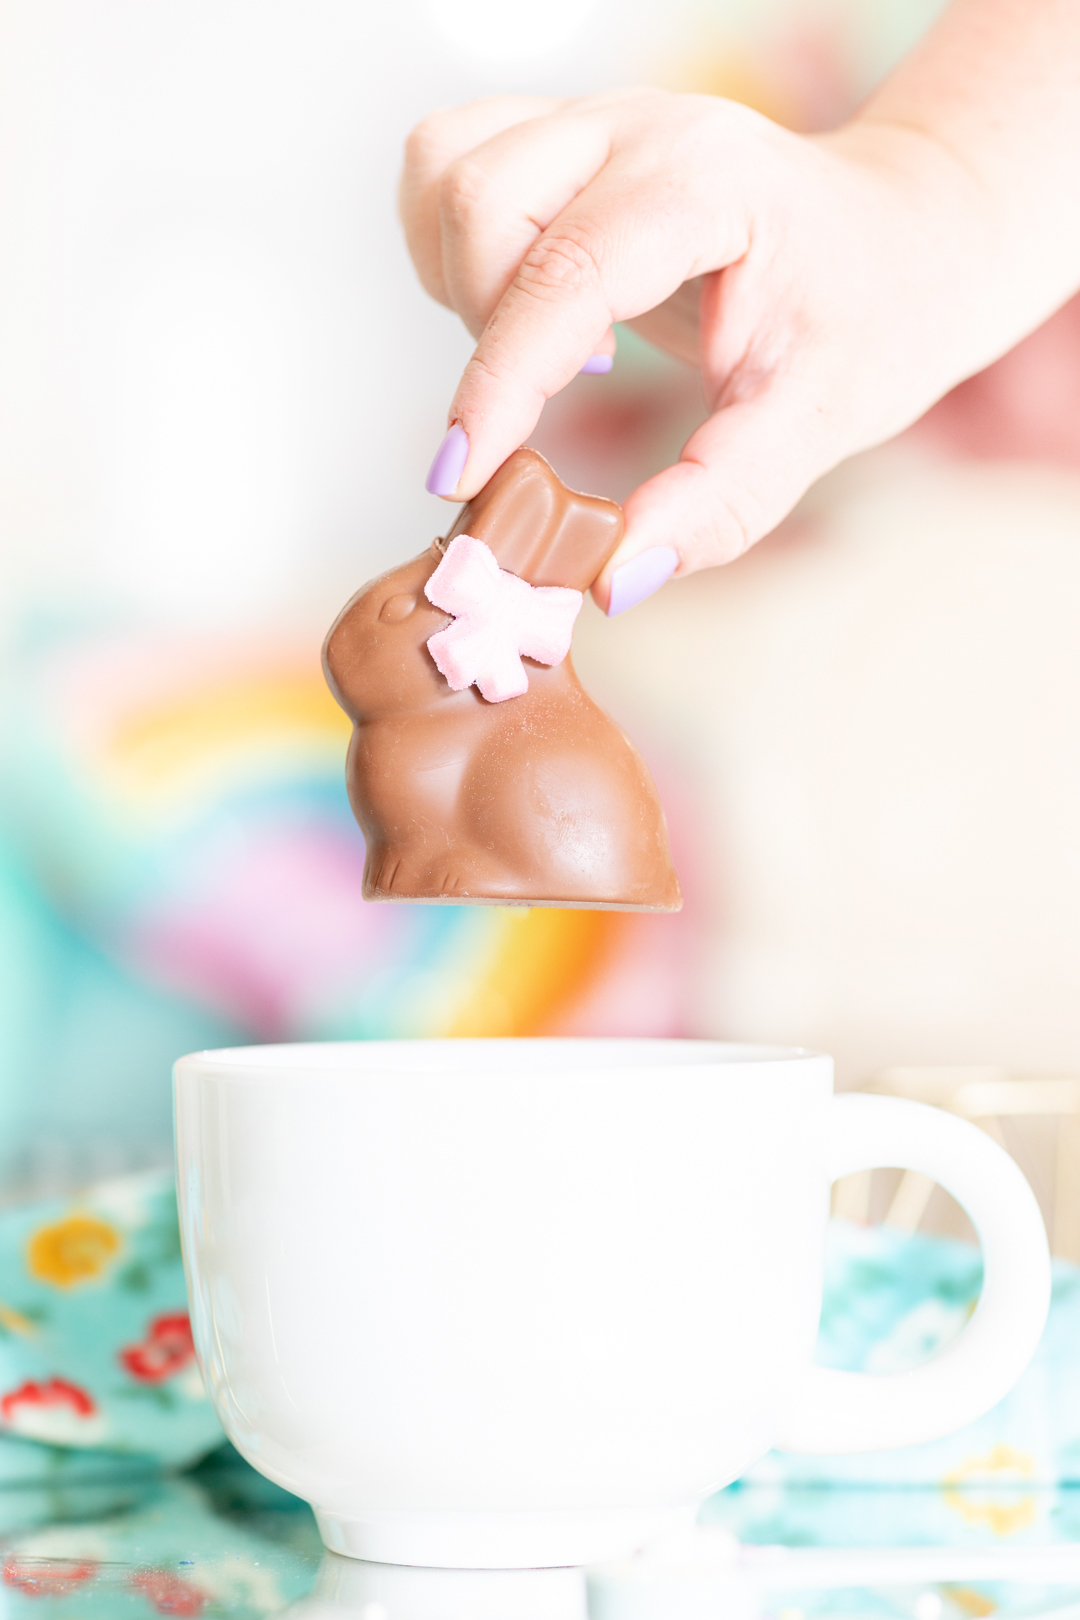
(213, 1544)
(893, 1299)
(98, 1372)
(96, 1353)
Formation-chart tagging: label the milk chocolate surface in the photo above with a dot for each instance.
(539, 529)
(539, 800)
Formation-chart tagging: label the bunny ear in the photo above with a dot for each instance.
(537, 528)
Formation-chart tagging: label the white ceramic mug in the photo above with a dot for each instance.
(502, 1304)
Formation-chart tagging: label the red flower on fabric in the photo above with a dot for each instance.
(168, 1593)
(46, 1577)
(55, 1392)
(167, 1349)
(55, 1411)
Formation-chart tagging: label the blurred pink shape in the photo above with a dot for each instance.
(272, 933)
(1025, 407)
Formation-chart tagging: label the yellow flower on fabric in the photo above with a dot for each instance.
(73, 1251)
(997, 1490)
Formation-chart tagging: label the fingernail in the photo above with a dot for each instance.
(639, 577)
(449, 463)
(597, 365)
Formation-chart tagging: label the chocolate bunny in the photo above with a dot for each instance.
(538, 800)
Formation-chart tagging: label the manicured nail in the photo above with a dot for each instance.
(597, 365)
(449, 463)
(639, 577)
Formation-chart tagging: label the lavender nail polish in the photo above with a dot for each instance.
(639, 577)
(597, 365)
(449, 463)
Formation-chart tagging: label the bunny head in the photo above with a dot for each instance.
(375, 657)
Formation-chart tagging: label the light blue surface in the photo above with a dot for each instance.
(890, 1301)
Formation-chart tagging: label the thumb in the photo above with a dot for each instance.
(738, 475)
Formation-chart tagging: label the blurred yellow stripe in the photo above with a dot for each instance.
(541, 962)
(156, 746)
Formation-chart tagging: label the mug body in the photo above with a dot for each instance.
(494, 1303)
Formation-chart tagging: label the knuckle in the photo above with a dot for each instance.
(423, 142)
(736, 534)
(561, 266)
(463, 188)
(725, 523)
(741, 522)
(487, 378)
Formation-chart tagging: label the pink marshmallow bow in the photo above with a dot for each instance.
(498, 619)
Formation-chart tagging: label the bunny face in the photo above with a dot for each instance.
(376, 657)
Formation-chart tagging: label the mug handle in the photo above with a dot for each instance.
(836, 1412)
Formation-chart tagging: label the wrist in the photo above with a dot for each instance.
(1006, 236)
(929, 174)
(954, 244)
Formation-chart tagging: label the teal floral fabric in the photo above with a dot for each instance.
(894, 1299)
(840, 1516)
(97, 1365)
(1010, 1479)
(96, 1353)
(216, 1544)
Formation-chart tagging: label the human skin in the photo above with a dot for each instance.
(830, 288)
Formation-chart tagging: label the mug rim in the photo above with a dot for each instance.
(533, 1053)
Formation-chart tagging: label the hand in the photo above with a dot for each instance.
(827, 287)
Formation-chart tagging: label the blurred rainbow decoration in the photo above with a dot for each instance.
(180, 802)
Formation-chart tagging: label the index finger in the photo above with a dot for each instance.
(613, 254)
